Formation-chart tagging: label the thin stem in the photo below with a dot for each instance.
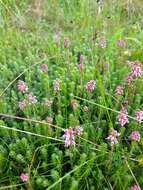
(30, 133)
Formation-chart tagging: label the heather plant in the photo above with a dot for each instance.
(71, 95)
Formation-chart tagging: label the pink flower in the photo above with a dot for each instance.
(24, 177)
(81, 67)
(121, 43)
(82, 58)
(129, 79)
(32, 99)
(91, 85)
(136, 69)
(22, 104)
(22, 87)
(119, 90)
(139, 115)
(78, 130)
(123, 117)
(103, 42)
(135, 136)
(113, 137)
(44, 67)
(56, 84)
(135, 187)
(66, 42)
(74, 104)
(69, 137)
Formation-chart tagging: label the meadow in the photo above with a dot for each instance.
(71, 94)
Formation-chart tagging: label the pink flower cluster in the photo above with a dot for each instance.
(81, 61)
(113, 137)
(44, 67)
(22, 87)
(56, 84)
(135, 136)
(82, 58)
(135, 187)
(139, 115)
(70, 135)
(136, 69)
(81, 67)
(78, 130)
(119, 90)
(123, 117)
(136, 72)
(74, 104)
(91, 85)
(22, 104)
(31, 98)
(129, 79)
(24, 177)
(121, 43)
